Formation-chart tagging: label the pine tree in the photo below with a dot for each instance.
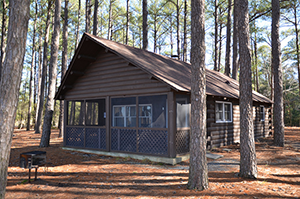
(248, 164)
(228, 41)
(45, 139)
(31, 80)
(38, 124)
(10, 80)
(278, 89)
(198, 172)
(145, 25)
(235, 65)
(64, 65)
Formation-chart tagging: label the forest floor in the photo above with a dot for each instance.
(80, 175)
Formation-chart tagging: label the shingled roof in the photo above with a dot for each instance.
(175, 73)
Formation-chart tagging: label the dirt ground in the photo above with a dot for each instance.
(79, 175)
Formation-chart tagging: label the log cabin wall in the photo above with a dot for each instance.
(269, 121)
(111, 75)
(262, 126)
(221, 134)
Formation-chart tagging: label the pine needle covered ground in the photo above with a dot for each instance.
(79, 175)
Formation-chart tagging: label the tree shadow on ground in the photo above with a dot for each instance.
(74, 184)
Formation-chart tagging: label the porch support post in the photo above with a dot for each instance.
(83, 122)
(171, 124)
(107, 122)
(65, 118)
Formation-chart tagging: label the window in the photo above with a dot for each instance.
(223, 112)
(123, 112)
(183, 112)
(124, 116)
(145, 115)
(153, 111)
(149, 112)
(262, 113)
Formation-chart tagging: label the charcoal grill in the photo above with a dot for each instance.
(32, 159)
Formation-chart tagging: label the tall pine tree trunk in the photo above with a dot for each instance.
(278, 89)
(78, 24)
(45, 139)
(145, 25)
(216, 36)
(155, 33)
(64, 66)
(256, 63)
(297, 43)
(185, 32)
(11, 79)
(31, 80)
(171, 34)
(178, 28)
(248, 164)
(127, 22)
(39, 77)
(235, 38)
(95, 24)
(38, 124)
(198, 172)
(3, 33)
(220, 48)
(109, 31)
(87, 15)
(228, 41)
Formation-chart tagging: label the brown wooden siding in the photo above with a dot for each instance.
(111, 75)
(262, 128)
(221, 134)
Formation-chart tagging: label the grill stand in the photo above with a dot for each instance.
(35, 176)
(31, 167)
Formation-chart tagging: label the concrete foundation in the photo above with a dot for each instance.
(165, 160)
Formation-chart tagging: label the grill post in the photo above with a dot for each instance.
(29, 174)
(32, 159)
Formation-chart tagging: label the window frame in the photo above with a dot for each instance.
(126, 116)
(223, 112)
(188, 116)
(262, 119)
(141, 117)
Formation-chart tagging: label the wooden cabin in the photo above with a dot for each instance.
(124, 99)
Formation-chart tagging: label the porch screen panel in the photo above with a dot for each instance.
(153, 141)
(153, 111)
(182, 141)
(95, 138)
(152, 114)
(75, 113)
(95, 113)
(123, 139)
(75, 136)
(123, 112)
